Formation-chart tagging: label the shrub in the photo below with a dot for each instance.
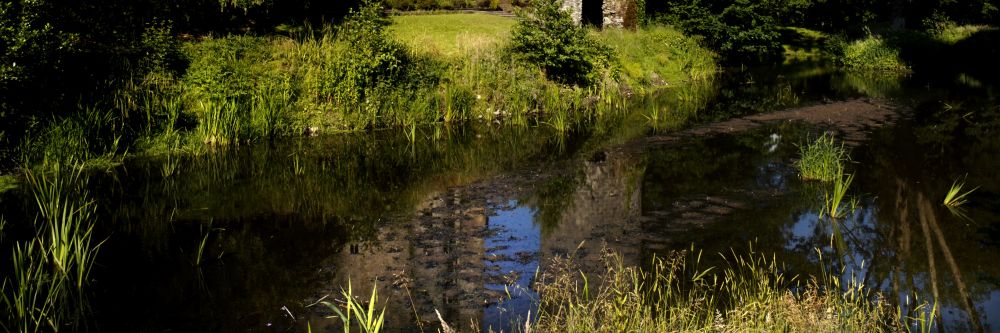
(741, 30)
(870, 54)
(548, 37)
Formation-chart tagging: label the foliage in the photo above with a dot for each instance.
(751, 293)
(91, 136)
(368, 320)
(742, 30)
(834, 205)
(657, 55)
(45, 291)
(869, 54)
(955, 197)
(822, 159)
(374, 57)
(547, 36)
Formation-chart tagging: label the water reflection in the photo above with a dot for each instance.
(459, 221)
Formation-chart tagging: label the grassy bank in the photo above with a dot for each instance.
(370, 72)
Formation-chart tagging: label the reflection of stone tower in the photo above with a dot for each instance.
(438, 255)
(450, 270)
(602, 13)
(604, 212)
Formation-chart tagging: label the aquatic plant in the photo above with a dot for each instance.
(200, 252)
(833, 199)
(749, 292)
(366, 317)
(821, 160)
(50, 270)
(955, 197)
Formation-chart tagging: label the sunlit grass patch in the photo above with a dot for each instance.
(750, 293)
(451, 35)
(821, 160)
(872, 53)
(658, 56)
(955, 34)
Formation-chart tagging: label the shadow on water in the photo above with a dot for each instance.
(459, 220)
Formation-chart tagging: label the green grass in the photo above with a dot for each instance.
(424, 69)
(872, 53)
(953, 34)
(955, 197)
(834, 205)
(451, 35)
(8, 182)
(821, 160)
(367, 319)
(750, 293)
(45, 291)
(657, 56)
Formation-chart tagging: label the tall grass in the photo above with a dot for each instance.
(821, 160)
(420, 70)
(872, 53)
(658, 56)
(50, 270)
(834, 204)
(366, 317)
(750, 293)
(91, 136)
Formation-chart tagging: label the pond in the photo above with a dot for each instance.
(460, 220)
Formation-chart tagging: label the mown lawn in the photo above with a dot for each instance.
(451, 35)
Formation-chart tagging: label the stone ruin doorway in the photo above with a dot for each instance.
(593, 13)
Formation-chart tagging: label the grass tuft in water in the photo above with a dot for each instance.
(45, 291)
(955, 197)
(367, 320)
(821, 160)
(833, 200)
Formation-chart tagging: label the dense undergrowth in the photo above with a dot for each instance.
(362, 75)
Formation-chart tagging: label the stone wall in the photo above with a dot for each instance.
(614, 11)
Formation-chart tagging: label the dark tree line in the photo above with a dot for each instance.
(746, 31)
(55, 54)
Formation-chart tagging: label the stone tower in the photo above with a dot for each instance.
(602, 13)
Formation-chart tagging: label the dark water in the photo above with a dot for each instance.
(460, 220)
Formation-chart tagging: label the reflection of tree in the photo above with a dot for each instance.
(951, 132)
(928, 219)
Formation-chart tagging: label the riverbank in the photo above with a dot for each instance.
(407, 72)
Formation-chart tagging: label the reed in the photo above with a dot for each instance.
(834, 205)
(955, 197)
(51, 270)
(365, 315)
